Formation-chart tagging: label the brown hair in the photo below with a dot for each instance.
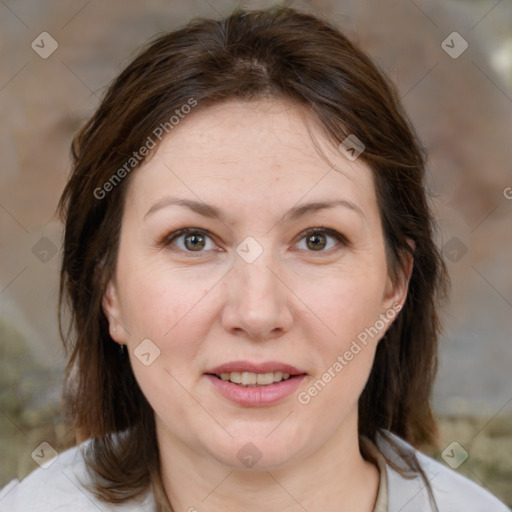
(248, 55)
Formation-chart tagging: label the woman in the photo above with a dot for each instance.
(253, 285)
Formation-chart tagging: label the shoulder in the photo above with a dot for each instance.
(452, 491)
(60, 486)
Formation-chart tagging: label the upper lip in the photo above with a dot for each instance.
(247, 366)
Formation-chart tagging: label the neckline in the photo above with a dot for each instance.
(370, 451)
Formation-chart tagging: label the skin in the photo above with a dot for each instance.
(294, 304)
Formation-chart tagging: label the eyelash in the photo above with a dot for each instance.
(168, 239)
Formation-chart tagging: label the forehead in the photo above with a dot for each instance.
(261, 149)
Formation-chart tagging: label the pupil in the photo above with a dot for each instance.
(314, 240)
(197, 241)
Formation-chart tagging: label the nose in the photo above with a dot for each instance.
(258, 306)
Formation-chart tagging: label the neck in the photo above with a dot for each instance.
(335, 477)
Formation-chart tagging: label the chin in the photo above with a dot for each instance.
(260, 451)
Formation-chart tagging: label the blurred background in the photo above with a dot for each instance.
(452, 64)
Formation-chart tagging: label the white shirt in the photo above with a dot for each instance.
(58, 488)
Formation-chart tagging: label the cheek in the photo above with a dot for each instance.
(160, 304)
(171, 314)
(344, 357)
(347, 304)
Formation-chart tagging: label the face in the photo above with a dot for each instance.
(224, 274)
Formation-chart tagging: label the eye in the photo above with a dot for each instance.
(316, 239)
(192, 240)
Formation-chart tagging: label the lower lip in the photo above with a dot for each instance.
(253, 396)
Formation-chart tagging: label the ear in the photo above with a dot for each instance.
(396, 291)
(111, 307)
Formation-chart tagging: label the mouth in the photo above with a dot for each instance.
(248, 379)
(246, 374)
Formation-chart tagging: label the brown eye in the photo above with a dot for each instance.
(194, 241)
(188, 240)
(316, 241)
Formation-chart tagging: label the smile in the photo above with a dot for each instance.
(254, 379)
(255, 384)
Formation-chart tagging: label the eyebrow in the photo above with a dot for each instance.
(210, 211)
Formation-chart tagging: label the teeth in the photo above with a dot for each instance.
(249, 379)
(254, 379)
(235, 377)
(263, 379)
(278, 376)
